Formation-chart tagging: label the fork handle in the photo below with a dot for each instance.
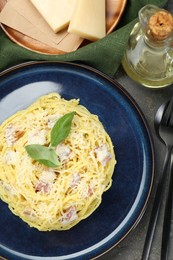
(167, 216)
(156, 207)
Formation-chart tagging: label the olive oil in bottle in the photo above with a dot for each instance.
(148, 58)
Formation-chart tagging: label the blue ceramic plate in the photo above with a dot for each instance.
(124, 203)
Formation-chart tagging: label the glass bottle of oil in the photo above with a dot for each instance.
(148, 58)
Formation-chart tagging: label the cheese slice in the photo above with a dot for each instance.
(57, 13)
(89, 19)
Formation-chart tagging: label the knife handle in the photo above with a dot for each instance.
(156, 205)
(168, 218)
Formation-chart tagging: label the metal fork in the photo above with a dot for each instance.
(164, 128)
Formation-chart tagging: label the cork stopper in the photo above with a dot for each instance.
(161, 25)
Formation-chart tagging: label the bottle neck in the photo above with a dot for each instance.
(152, 43)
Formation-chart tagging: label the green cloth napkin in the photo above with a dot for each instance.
(104, 55)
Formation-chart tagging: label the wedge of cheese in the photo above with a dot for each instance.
(57, 13)
(89, 19)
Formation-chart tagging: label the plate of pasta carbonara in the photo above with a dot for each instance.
(75, 154)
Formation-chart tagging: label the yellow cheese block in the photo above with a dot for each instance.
(89, 19)
(57, 13)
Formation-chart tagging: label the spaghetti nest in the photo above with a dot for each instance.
(54, 198)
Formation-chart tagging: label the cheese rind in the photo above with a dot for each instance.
(89, 19)
(57, 13)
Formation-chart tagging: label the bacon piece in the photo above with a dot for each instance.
(12, 134)
(29, 212)
(45, 182)
(37, 136)
(42, 187)
(75, 179)
(69, 216)
(64, 153)
(102, 154)
(11, 191)
(52, 119)
(90, 192)
(11, 157)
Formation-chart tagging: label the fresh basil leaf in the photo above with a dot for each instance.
(61, 129)
(43, 154)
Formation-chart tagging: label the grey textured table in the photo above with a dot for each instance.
(149, 100)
